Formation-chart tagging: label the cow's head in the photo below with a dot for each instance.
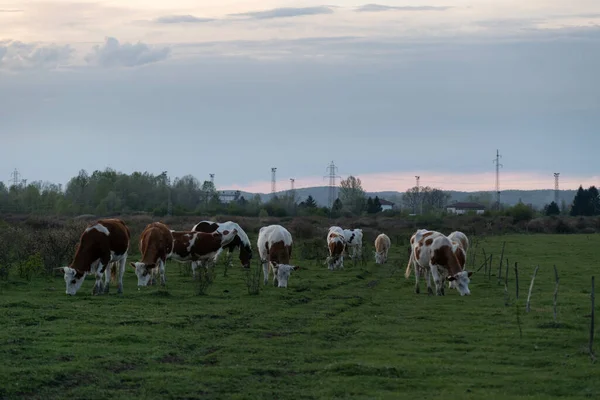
(461, 282)
(380, 257)
(143, 272)
(245, 255)
(226, 236)
(283, 272)
(73, 279)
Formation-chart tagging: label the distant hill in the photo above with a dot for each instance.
(538, 198)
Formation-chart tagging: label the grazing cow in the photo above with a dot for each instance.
(275, 249)
(336, 244)
(241, 240)
(102, 243)
(460, 246)
(354, 241)
(199, 246)
(382, 246)
(156, 245)
(433, 252)
(415, 238)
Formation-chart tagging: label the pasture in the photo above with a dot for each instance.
(358, 333)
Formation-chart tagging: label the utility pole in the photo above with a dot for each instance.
(212, 178)
(498, 166)
(556, 175)
(418, 178)
(169, 202)
(273, 180)
(292, 180)
(332, 184)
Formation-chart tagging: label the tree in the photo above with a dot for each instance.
(410, 199)
(370, 206)
(352, 194)
(586, 202)
(310, 202)
(426, 198)
(552, 209)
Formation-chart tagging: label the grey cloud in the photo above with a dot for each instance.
(382, 7)
(179, 19)
(115, 54)
(286, 12)
(16, 55)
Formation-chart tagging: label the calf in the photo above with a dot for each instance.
(103, 242)
(336, 244)
(382, 246)
(240, 240)
(433, 252)
(275, 249)
(353, 238)
(199, 246)
(156, 245)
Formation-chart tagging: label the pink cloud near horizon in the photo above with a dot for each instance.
(400, 181)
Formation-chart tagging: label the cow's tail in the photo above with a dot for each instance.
(408, 267)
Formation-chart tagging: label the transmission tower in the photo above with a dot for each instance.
(498, 166)
(556, 174)
(292, 180)
(273, 180)
(332, 169)
(212, 178)
(16, 177)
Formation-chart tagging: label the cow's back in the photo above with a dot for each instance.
(206, 226)
(156, 242)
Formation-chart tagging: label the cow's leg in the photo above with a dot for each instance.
(194, 266)
(229, 257)
(439, 286)
(98, 287)
(107, 274)
(416, 271)
(161, 269)
(120, 273)
(428, 277)
(265, 265)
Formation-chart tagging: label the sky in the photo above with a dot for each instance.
(386, 90)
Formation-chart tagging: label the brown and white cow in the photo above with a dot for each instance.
(275, 249)
(382, 246)
(433, 252)
(156, 245)
(415, 238)
(241, 240)
(102, 243)
(199, 246)
(336, 243)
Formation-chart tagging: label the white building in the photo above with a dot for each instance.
(463, 208)
(386, 205)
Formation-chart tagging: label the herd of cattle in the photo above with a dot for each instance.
(103, 249)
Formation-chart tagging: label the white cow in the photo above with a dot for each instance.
(275, 249)
(336, 244)
(353, 238)
(382, 246)
(460, 246)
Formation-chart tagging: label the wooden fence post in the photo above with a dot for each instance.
(500, 263)
(517, 280)
(527, 307)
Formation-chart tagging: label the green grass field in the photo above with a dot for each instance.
(360, 333)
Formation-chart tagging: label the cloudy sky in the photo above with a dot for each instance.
(387, 91)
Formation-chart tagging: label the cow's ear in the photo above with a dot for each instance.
(234, 232)
(450, 278)
(63, 270)
(470, 273)
(132, 265)
(296, 268)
